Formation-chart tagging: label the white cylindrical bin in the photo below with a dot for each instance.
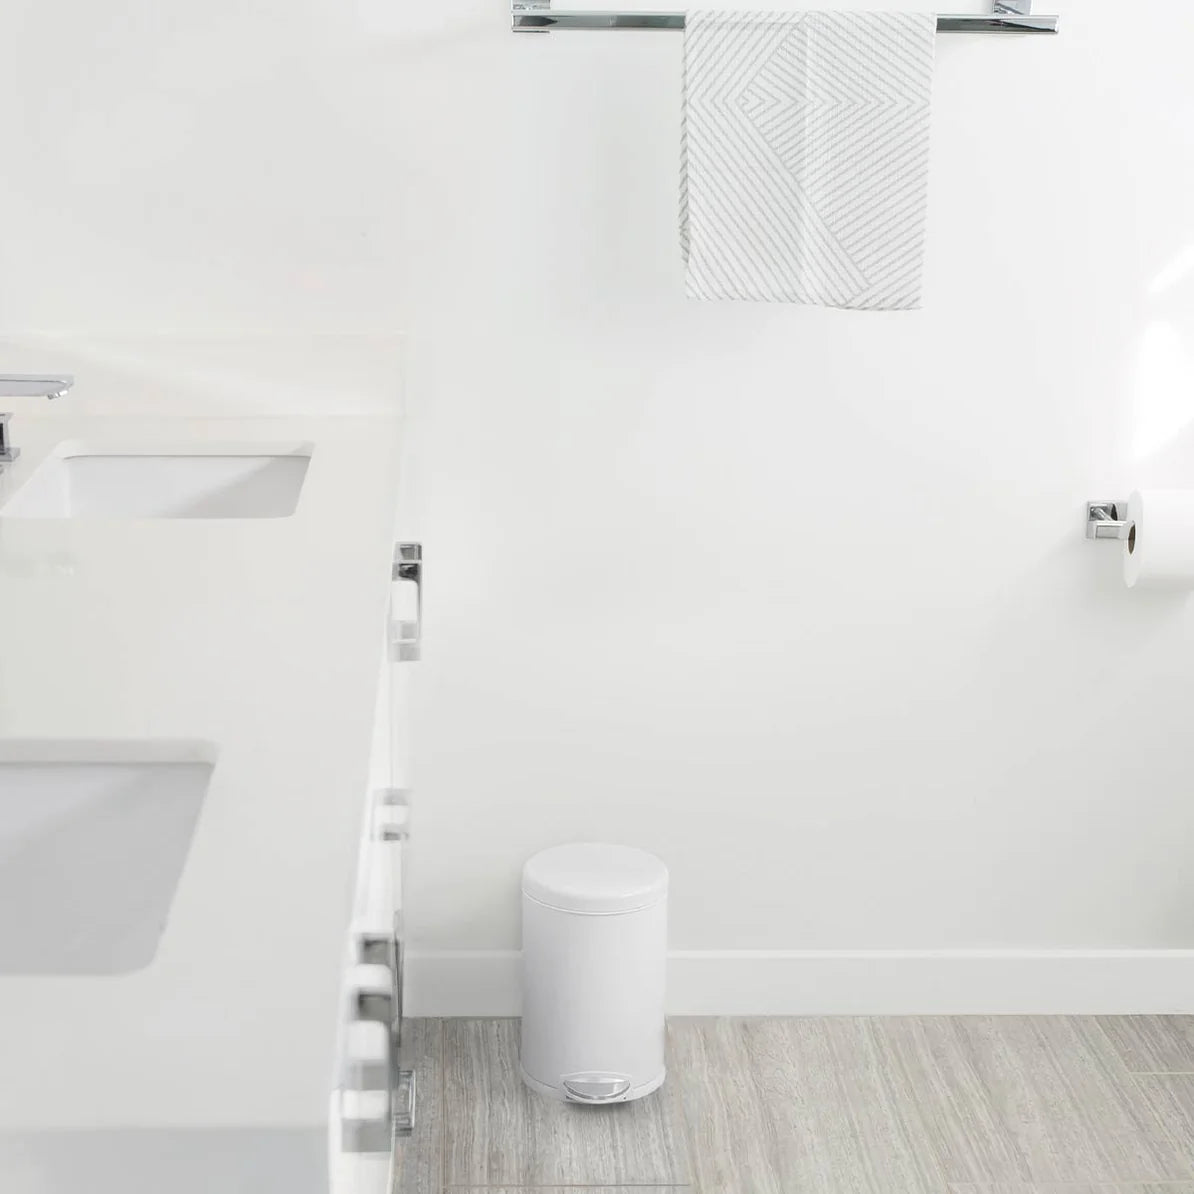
(594, 957)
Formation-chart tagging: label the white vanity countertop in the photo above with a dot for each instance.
(262, 637)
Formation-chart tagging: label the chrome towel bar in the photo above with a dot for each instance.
(537, 16)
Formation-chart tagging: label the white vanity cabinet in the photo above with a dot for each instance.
(204, 1056)
(375, 1100)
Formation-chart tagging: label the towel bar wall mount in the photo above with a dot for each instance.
(538, 16)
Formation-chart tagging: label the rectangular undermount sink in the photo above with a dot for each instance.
(77, 481)
(93, 838)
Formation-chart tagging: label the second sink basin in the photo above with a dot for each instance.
(93, 838)
(77, 481)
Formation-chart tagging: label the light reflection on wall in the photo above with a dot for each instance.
(1164, 389)
(1163, 395)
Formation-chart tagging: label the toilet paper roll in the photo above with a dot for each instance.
(1159, 549)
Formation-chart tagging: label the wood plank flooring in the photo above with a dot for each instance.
(907, 1105)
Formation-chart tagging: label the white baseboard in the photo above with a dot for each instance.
(829, 983)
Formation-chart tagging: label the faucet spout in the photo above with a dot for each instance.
(35, 385)
(27, 385)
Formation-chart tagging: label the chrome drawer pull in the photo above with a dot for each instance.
(406, 641)
(373, 994)
(378, 1099)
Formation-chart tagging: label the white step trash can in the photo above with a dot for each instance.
(594, 957)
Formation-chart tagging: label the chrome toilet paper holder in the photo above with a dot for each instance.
(1108, 520)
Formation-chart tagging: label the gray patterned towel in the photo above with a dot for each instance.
(806, 156)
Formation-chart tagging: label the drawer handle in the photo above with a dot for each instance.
(366, 1122)
(391, 814)
(373, 994)
(406, 637)
(378, 1103)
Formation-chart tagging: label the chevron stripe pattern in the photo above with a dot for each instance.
(805, 156)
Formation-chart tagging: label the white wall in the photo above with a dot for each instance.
(214, 165)
(796, 598)
(185, 189)
(799, 598)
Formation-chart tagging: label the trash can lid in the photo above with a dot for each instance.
(591, 877)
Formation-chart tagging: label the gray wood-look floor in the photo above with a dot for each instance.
(908, 1105)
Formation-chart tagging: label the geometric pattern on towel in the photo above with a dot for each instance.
(805, 156)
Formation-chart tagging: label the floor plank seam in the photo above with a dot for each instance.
(678, 1109)
(1105, 1033)
(1181, 1147)
(443, 1091)
(903, 1111)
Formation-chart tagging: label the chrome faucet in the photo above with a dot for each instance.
(27, 385)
